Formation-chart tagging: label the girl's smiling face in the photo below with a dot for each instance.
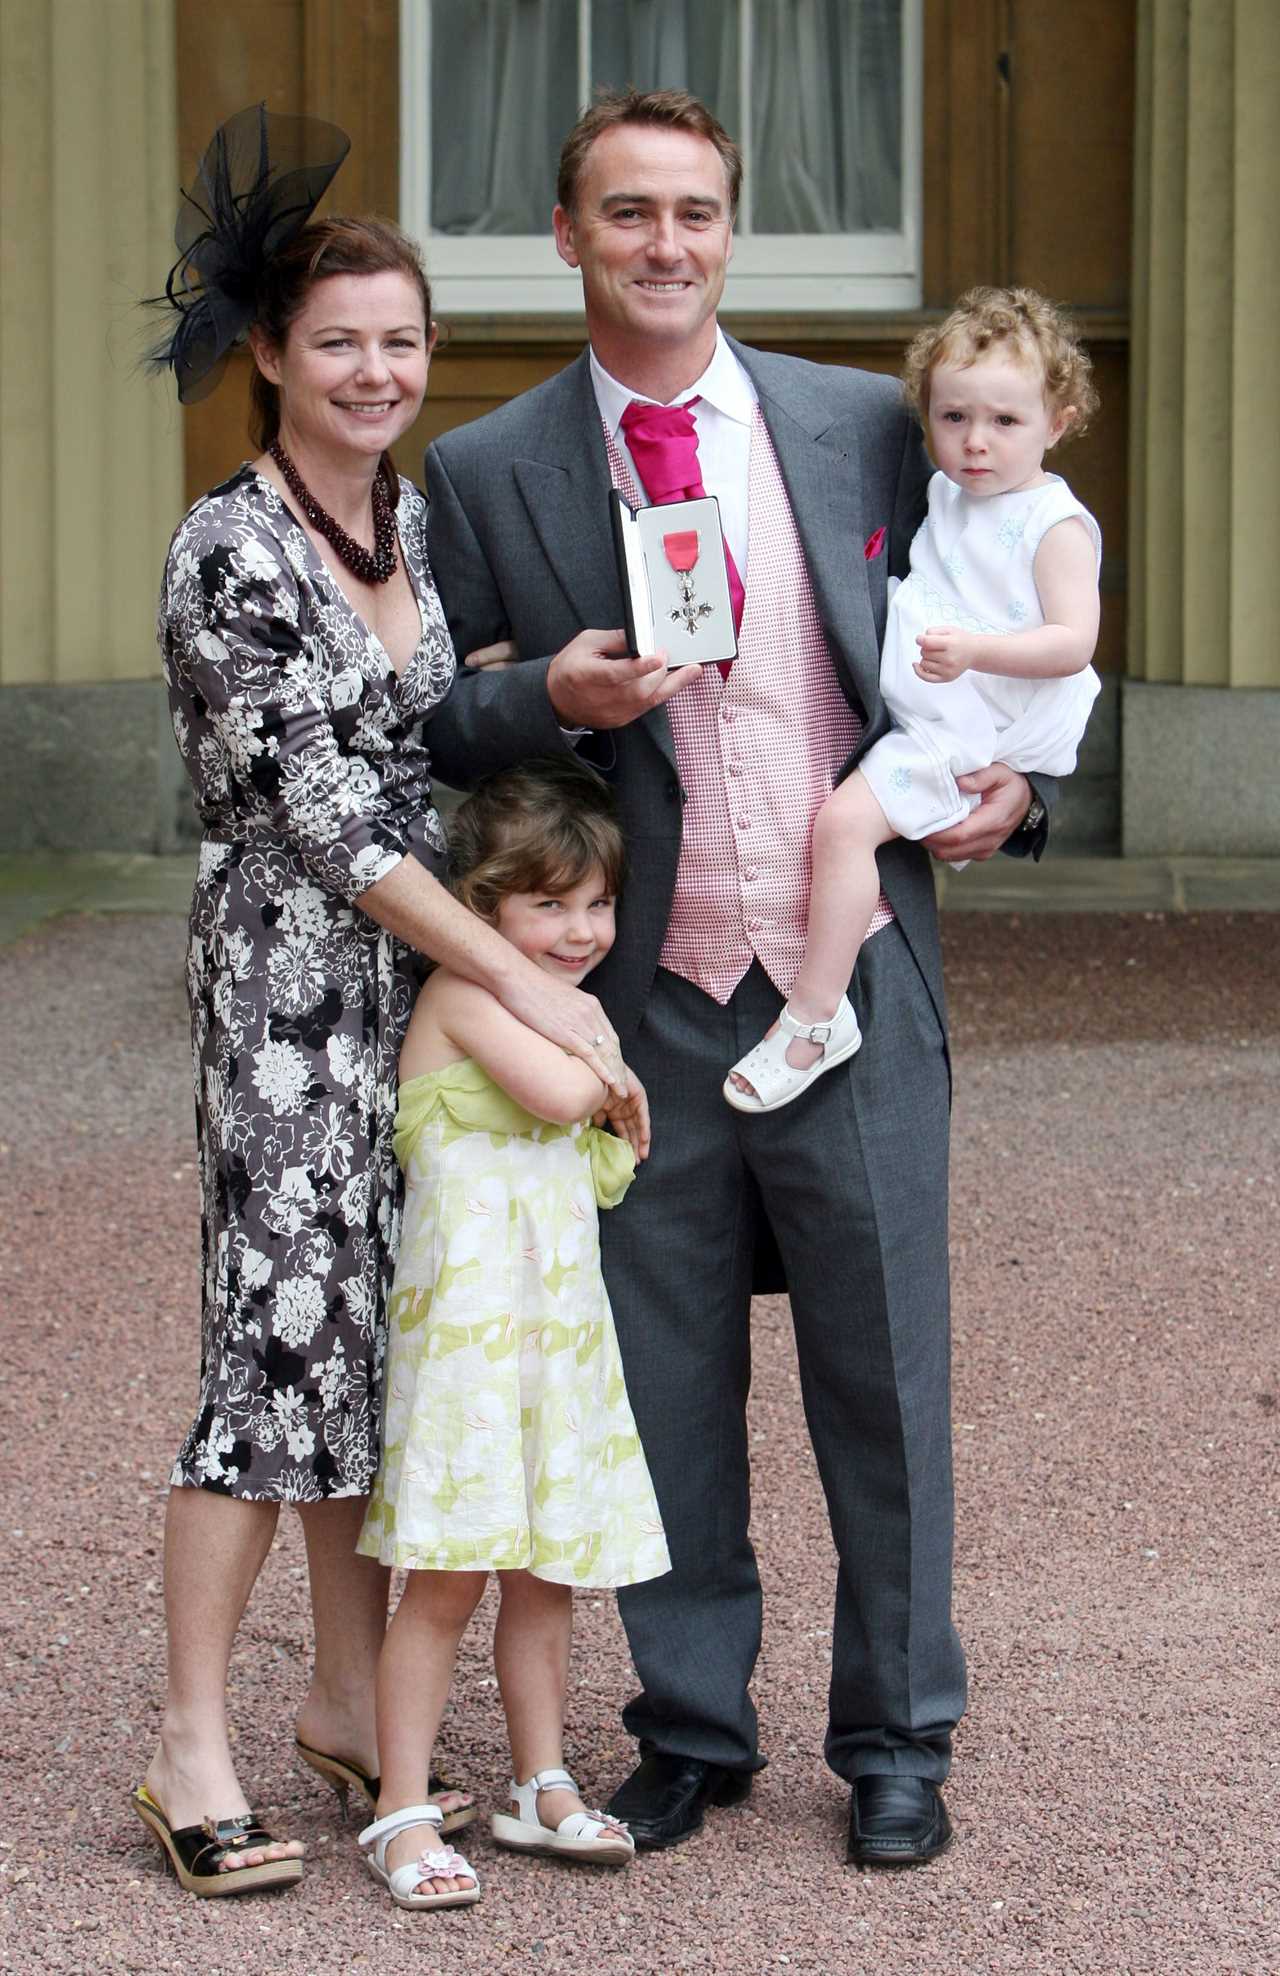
(990, 425)
(565, 933)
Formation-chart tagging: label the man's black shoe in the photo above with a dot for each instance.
(897, 1821)
(665, 1796)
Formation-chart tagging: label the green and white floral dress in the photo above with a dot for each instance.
(508, 1440)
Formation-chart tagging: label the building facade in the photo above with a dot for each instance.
(1122, 155)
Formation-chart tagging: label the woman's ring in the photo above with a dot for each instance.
(597, 1040)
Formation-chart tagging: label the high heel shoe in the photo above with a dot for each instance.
(196, 1852)
(346, 1776)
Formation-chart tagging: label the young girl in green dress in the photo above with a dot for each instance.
(508, 1442)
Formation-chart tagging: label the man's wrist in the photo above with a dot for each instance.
(1036, 815)
(1032, 834)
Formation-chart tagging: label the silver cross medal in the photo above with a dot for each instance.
(681, 550)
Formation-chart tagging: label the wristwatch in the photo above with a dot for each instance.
(1035, 816)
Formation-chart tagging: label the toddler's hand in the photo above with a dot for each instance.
(945, 653)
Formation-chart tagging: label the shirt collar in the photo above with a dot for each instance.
(723, 384)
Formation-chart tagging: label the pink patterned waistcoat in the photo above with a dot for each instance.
(757, 755)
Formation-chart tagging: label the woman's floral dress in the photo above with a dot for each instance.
(307, 756)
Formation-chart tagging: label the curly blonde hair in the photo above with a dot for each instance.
(1015, 322)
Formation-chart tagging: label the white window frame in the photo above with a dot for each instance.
(521, 274)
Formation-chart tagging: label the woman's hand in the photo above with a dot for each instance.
(414, 906)
(569, 1017)
(629, 1115)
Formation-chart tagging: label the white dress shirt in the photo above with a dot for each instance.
(723, 418)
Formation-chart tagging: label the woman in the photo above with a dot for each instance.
(304, 647)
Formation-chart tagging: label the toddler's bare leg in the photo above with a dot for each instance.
(847, 832)
(531, 1659)
(414, 1673)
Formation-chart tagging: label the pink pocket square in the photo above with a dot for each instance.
(875, 545)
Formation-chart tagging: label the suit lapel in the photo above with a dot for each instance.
(563, 480)
(819, 459)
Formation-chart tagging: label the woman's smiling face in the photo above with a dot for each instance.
(352, 372)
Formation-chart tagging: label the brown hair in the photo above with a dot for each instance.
(668, 109)
(1020, 324)
(322, 248)
(542, 827)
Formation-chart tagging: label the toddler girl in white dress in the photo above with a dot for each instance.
(987, 646)
(508, 1441)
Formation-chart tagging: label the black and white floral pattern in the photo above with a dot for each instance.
(308, 760)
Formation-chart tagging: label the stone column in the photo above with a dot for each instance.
(90, 449)
(1202, 702)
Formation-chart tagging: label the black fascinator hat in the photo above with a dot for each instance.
(257, 185)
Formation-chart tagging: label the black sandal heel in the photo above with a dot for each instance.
(196, 1852)
(346, 1777)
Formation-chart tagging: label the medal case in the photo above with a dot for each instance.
(674, 583)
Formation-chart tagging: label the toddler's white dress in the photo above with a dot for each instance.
(971, 565)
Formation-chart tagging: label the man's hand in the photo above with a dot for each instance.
(945, 652)
(628, 1115)
(1006, 798)
(492, 658)
(591, 683)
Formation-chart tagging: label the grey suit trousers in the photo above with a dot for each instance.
(853, 1179)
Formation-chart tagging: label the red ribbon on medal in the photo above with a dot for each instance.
(681, 549)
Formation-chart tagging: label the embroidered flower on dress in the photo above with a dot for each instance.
(257, 562)
(901, 778)
(327, 1142)
(297, 1313)
(1010, 531)
(281, 1075)
(297, 975)
(305, 910)
(255, 1268)
(341, 1052)
(289, 1202)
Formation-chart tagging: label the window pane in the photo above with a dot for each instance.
(670, 44)
(827, 116)
(504, 92)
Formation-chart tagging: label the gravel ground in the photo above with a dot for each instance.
(1115, 1240)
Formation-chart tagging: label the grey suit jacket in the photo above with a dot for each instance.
(520, 545)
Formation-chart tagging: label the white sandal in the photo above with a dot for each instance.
(775, 1082)
(583, 1835)
(401, 1881)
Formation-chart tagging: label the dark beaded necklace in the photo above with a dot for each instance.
(376, 565)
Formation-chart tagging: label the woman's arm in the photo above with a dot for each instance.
(414, 906)
(254, 714)
(1066, 579)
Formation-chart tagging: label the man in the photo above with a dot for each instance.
(821, 477)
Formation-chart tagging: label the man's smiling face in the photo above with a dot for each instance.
(652, 235)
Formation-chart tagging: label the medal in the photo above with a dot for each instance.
(681, 548)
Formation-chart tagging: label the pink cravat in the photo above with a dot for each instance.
(663, 442)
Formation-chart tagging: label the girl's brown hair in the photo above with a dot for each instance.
(324, 247)
(1018, 323)
(542, 827)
